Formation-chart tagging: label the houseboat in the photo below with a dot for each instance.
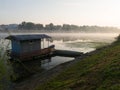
(30, 47)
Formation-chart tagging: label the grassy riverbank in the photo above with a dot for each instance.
(4, 67)
(98, 71)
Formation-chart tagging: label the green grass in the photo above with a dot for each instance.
(99, 71)
(4, 74)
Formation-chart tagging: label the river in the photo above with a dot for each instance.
(81, 42)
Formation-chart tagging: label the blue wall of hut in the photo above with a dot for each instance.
(16, 48)
(29, 46)
(25, 46)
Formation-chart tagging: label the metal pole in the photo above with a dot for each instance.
(43, 43)
(40, 43)
(48, 42)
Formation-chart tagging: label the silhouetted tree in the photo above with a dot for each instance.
(26, 25)
(39, 26)
(30, 25)
(58, 27)
(49, 26)
(22, 25)
(66, 27)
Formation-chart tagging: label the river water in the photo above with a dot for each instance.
(81, 42)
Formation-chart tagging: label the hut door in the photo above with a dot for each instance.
(34, 45)
(31, 46)
(25, 47)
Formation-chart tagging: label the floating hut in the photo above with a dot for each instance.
(27, 47)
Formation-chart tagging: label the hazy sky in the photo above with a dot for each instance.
(79, 12)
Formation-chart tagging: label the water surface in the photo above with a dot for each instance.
(81, 42)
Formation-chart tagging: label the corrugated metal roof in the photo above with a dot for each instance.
(27, 37)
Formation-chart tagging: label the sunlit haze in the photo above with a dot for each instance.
(78, 12)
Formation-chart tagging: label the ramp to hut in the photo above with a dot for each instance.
(66, 53)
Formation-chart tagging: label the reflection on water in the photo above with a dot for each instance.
(82, 42)
(56, 61)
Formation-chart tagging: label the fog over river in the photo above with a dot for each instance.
(81, 42)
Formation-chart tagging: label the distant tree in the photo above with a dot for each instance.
(84, 28)
(58, 27)
(74, 27)
(49, 26)
(66, 27)
(30, 25)
(26, 25)
(22, 25)
(39, 26)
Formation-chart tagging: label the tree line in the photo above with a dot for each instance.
(65, 27)
(51, 26)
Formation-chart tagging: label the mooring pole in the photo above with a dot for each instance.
(43, 43)
(48, 42)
